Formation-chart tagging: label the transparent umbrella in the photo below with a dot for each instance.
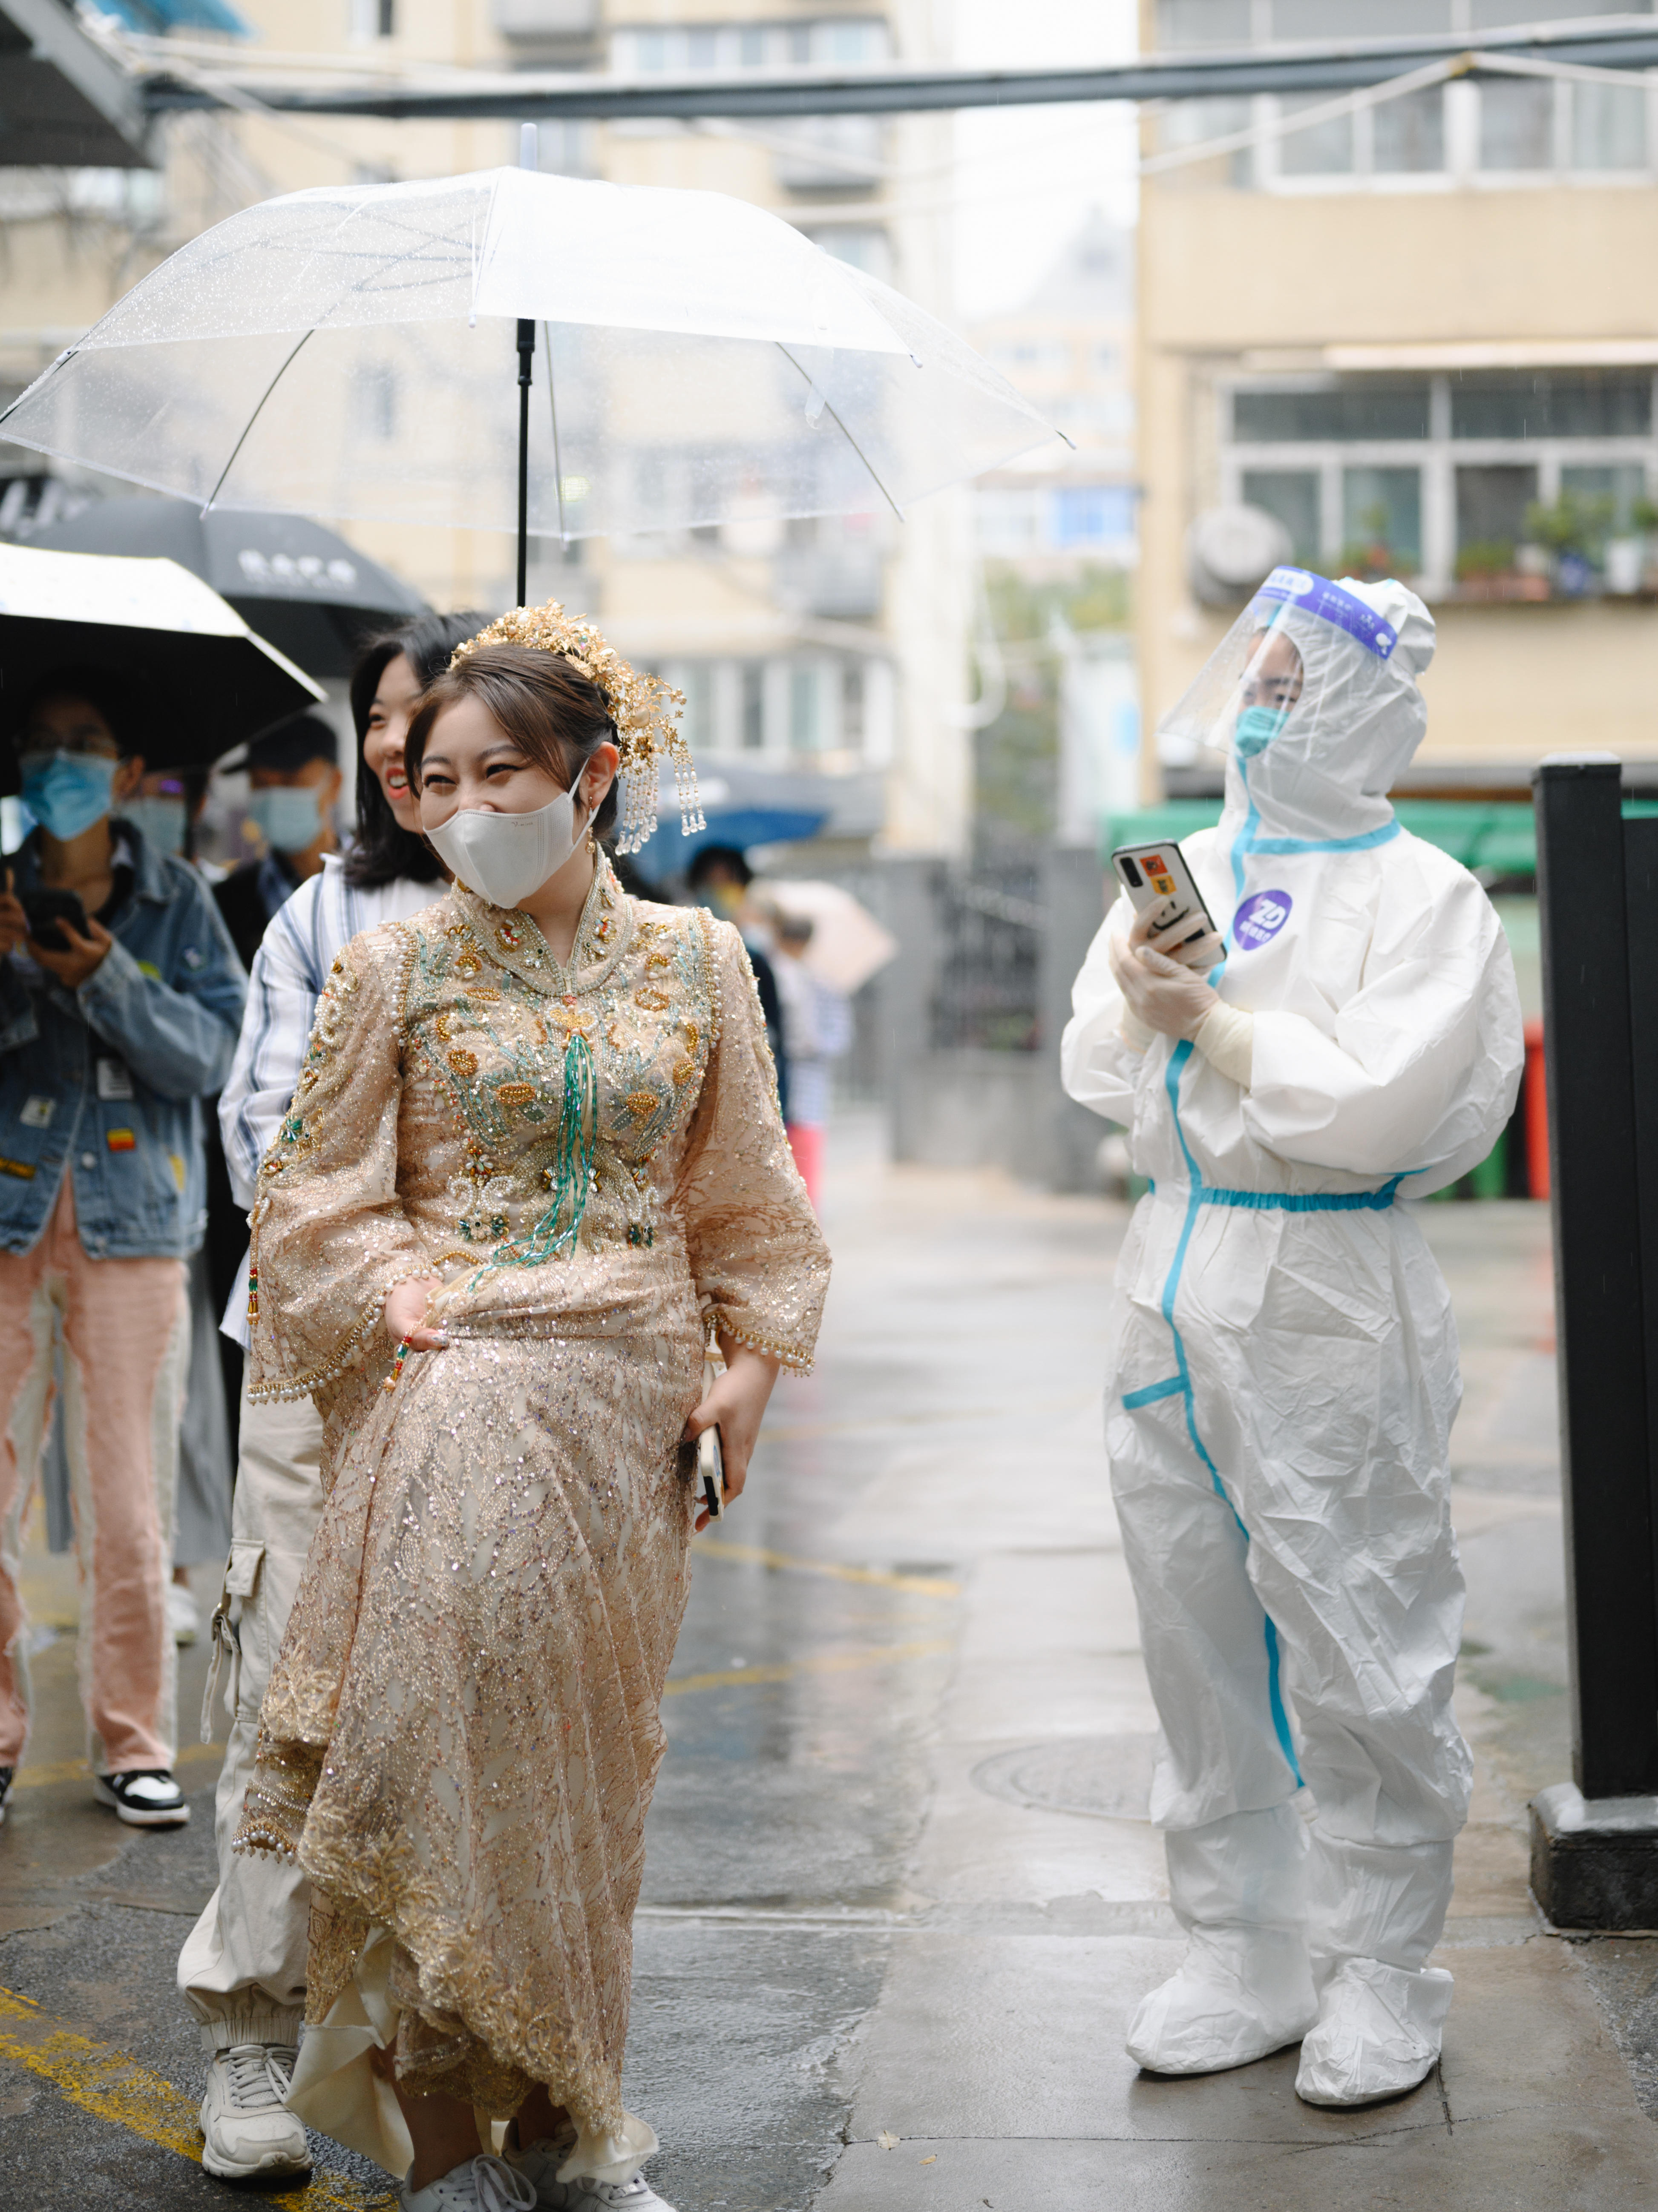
(351, 350)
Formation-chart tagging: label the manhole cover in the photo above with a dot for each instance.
(1107, 1777)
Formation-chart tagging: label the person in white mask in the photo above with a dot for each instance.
(1283, 1365)
(534, 1164)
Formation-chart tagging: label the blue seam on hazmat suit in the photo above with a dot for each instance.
(1177, 1064)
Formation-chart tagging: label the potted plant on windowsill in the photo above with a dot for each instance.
(1370, 557)
(1574, 533)
(1642, 561)
(1486, 569)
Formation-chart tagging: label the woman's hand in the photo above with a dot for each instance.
(1160, 992)
(737, 1402)
(14, 922)
(406, 1305)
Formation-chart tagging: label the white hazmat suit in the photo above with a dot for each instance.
(1283, 1369)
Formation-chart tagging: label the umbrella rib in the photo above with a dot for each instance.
(842, 428)
(247, 426)
(558, 458)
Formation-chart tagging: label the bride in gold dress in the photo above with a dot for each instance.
(533, 1162)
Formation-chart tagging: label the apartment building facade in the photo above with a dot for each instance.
(1422, 337)
(834, 647)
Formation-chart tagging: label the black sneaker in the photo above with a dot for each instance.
(6, 1773)
(149, 1799)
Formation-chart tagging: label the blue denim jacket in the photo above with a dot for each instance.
(108, 1080)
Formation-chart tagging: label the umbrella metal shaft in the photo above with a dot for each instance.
(526, 357)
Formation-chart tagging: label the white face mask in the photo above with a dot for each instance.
(505, 857)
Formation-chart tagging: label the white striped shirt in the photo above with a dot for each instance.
(289, 969)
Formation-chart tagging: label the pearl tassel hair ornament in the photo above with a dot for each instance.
(645, 711)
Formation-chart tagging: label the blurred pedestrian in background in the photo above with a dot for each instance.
(121, 995)
(719, 877)
(242, 1969)
(817, 1028)
(295, 779)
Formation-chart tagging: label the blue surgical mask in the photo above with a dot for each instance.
(287, 818)
(159, 821)
(67, 793)
(1257, 727)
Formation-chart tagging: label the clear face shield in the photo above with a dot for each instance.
(1273, 670)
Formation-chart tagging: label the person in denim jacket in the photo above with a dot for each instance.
(109, 1042)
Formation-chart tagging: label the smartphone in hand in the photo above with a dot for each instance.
(1158, 881)
(45, 910)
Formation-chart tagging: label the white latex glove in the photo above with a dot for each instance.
(1161, 994)
(1203, 953)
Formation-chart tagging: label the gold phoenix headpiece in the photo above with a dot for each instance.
(644, 709)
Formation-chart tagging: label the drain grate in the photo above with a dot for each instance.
(1104, 1778)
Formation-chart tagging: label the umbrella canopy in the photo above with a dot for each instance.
(848, 946)
(301, 587)
(351, 350)
(201, 681)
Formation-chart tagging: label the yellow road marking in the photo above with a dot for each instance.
(113, 2086)
(76, 1769)
(751, 1555)
(832, 1662)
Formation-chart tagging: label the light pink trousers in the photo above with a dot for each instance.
(126, 1351)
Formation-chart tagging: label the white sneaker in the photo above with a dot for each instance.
(182, 1618)
(1240, 1993)
(149, 1799)
(247, 2130)
(477, 2184)
(540, 2163)
(1378, 2035)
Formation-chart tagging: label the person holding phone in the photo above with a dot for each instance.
(534, 1162)
(120, 993)
(1284, 1363)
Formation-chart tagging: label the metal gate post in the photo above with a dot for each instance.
(1595, 1840)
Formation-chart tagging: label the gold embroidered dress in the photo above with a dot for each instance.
(461, 1735)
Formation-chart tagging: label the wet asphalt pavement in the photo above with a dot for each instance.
(900, 1890)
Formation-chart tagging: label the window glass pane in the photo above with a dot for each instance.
(803, 709)
(1516, 124)
(1491, 510)
(1608, 495)
(1409, 133)
(1559, 403)
(1324, 150)
(1364, 407)
(1202, 22)
(1382, 521)
(754, 707)
(1497, 14)
(1359, 19)
(1608, 126)
(1291, 495)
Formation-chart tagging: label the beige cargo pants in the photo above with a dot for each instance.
(242, 1969)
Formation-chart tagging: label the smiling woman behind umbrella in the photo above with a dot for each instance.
(537, 1131)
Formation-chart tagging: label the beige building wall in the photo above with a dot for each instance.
(1441, 276)
(841, 645)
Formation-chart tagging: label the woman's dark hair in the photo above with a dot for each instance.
(382, 850)
(548, 709)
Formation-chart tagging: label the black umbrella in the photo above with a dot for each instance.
(302, 586)
(199, 679)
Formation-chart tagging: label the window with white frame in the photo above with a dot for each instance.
(830, 42)
(1499, 130)
(822, 711)
(1453, 479)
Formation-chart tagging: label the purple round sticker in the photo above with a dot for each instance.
(1259, 919)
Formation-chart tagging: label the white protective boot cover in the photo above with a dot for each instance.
(1240, 1993)
(1378, 2033)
